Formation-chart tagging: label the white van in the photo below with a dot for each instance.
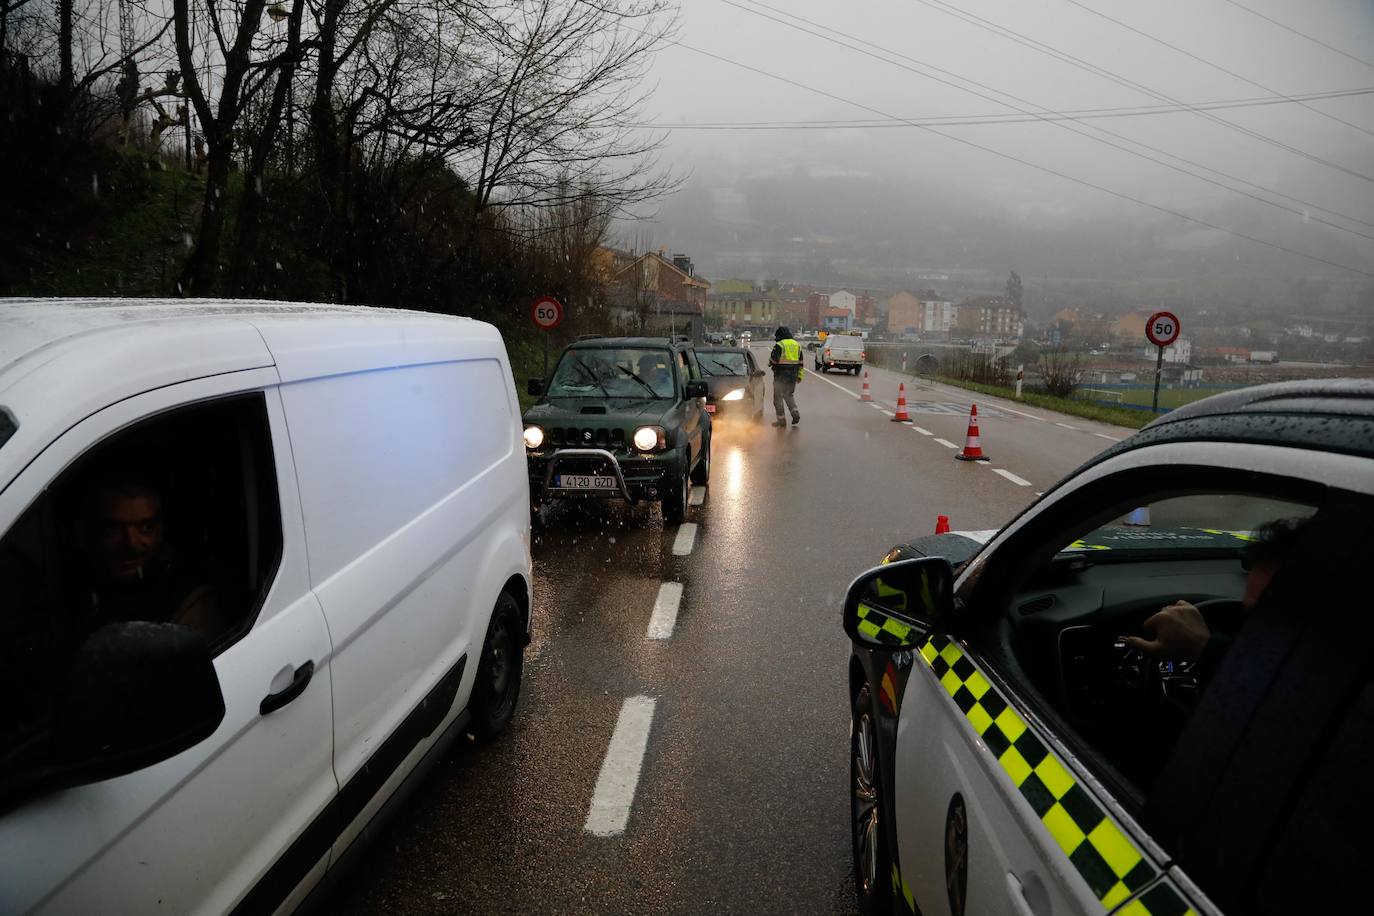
(261, 563)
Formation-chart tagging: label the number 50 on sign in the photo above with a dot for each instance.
(1162, 328)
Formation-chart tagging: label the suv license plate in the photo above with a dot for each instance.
(583, 482)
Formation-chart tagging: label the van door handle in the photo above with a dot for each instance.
(1017, 895)
(274, 701)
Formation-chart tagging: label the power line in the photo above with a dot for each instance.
(1038, 115)
(1289, 28)
(1070, 114)
(1065, 57)
(1213, 64)
(1012, 158)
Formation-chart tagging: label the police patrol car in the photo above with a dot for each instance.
(1013, 752)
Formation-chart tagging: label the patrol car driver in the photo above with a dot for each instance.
(1179, 632)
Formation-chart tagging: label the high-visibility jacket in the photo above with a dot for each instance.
(791, 356)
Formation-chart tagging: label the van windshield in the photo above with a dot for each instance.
(613, 372)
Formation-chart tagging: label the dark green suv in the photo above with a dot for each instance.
(620, 418)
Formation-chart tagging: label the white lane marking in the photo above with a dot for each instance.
(664, 618)
(615, 786)
(817, 375)
(946, 443)
(876, 406)
(1039, 494)
(924, 432)
(698, 496)
(686, 538)
(889, 413)
(1019, 481)
(1107, 437)
(1065, 425)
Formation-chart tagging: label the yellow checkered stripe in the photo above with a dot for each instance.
(903, 890)
(878, 626)
(1106, 859)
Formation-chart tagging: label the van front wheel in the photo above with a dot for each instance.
(497, 690)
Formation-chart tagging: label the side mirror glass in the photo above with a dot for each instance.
(535, 386)
(896, 606)
(758, 373)
(697, 388)
(135, 694)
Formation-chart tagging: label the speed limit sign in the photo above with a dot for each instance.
(547, 313)
(1162, 328)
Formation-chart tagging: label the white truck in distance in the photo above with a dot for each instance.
(844, 352)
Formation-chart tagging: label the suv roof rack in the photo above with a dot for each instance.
(589, 336)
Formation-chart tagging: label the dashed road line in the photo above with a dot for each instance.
(1065, 425)
(1107, 437)
(946, 443)
(666, 605)
(698, 496)
(1019, 481)
(686, 538)
(924, 432)
(615, 786)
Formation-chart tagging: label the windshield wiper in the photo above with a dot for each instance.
(647, 387)
(591, 375)
(728, 370)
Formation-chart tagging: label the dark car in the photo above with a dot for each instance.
(734, 382)
(620, 418)
(1021, 714)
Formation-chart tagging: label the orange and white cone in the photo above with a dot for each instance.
(973, 446)
(901, 416)
(866, 395)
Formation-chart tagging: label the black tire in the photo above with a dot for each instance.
(702, 472)
(872, 859)
(674, 505)
(497, 690)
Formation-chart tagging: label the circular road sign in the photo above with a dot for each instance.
(547, 313)
(1162, 328)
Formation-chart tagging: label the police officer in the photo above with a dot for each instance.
(786, 360)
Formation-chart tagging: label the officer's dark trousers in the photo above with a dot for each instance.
(785, 391)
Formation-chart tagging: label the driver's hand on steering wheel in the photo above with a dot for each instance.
(1177, 633)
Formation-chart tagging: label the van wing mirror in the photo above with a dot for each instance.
(897, 605)
(134, 695)
(697, 388)
(535, 386)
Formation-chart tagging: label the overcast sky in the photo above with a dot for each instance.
(693, 88)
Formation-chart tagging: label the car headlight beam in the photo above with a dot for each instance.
(649, 438)
(736, 395)
(534, 437)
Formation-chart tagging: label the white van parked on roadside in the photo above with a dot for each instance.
(261, 564)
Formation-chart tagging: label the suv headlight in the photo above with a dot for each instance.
(736, 395)
(650, 438)
(534, 437)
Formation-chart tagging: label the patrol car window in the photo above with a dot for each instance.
(613, 372)
(1123, 628)
(175, 520)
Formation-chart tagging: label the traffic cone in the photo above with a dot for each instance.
(973, 447)
(1139, 518)
(866, 395)
(901, 416)
(942, 524)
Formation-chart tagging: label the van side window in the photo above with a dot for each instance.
(174, 520)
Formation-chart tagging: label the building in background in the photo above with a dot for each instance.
(938, 315)
(989, 317)
(837, 319)
(652, 293)
(905, 314)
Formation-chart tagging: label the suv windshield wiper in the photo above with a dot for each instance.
(591, 375)
(647, 387)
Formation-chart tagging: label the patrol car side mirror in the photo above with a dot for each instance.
(757, 373)
(535, 386)
(897, 605)
(134, 694)
(697, 388)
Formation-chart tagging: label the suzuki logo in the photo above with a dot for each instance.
(587, 434)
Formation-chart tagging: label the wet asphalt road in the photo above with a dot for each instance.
(741, 804)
